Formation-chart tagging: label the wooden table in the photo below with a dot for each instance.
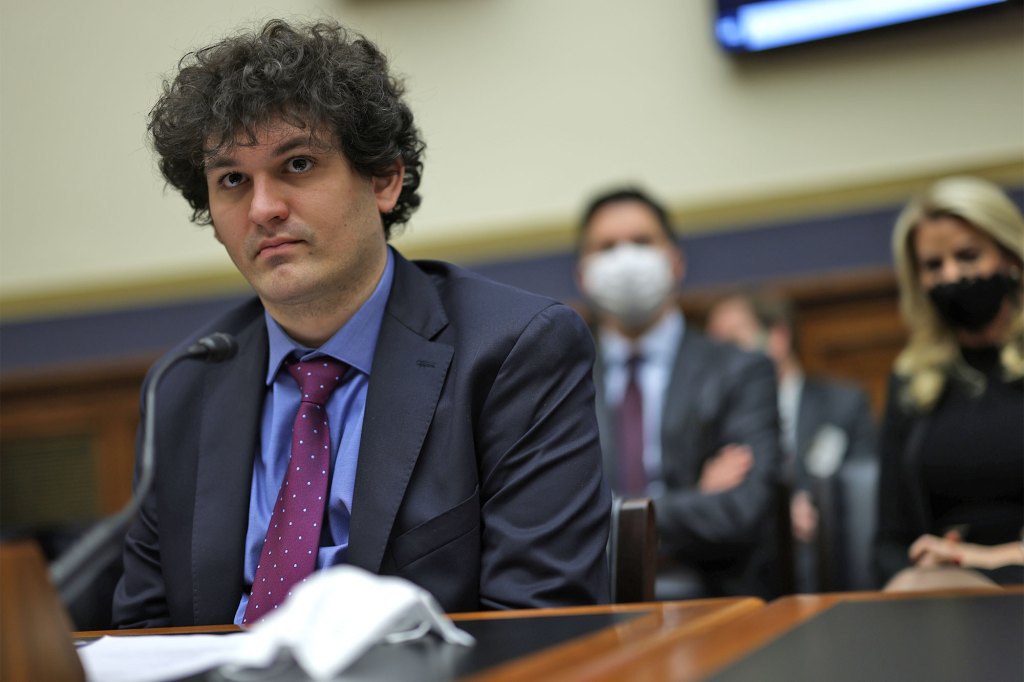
(662, 626)
(640, 630)
(711, 651)
(742, 639)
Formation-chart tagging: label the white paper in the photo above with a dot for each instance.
(154, 658)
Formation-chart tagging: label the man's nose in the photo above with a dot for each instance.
(269, 202)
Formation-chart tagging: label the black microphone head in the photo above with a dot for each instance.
(214, 347)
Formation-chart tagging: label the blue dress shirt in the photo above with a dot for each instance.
(657, 349)
(354, 344)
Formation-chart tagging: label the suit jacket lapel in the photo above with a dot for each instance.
(808, 417)
(678, 405)
(232, 397)
(409, 370)
(605, 421)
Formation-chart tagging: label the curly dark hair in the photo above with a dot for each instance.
(318, 77)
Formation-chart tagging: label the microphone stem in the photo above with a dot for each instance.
(73, 572)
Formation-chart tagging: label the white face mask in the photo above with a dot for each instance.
(630, 282)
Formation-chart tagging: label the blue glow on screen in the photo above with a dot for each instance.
(775, 23)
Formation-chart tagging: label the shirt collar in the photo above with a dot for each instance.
(354, 344)
(659, 345)
(790, 388)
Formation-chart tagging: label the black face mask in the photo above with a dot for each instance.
(971, 303)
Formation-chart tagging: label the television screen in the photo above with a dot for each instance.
(756, 25)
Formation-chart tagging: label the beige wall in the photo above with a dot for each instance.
(527, 107)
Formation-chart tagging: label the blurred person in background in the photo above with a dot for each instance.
(953, 435)
(684, 420)
(824, 424)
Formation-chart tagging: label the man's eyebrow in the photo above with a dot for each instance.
(214, 159)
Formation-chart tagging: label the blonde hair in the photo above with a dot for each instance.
(932, 354)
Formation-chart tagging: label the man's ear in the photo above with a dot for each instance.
(678, 263)
(577, 274)
(780, 342)
(388, 187)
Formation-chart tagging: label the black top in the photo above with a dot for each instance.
(972, 461)
(960, 464)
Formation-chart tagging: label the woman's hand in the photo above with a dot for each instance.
(930, 550)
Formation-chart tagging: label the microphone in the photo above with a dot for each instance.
(76, 569)
(215, 347)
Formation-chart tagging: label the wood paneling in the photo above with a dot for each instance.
(90, 412)
(848, 325)
(853, 340)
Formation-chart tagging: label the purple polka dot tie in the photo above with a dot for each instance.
(293, 536)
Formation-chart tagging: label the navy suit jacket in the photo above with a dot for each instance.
(479, 474)
(716, 395)
(845, 497)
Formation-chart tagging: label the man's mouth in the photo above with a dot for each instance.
(276, 246)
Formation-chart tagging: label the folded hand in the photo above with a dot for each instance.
(727, 469)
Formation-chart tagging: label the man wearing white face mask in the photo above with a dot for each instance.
(684, 420)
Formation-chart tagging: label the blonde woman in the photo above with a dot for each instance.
(953, 434)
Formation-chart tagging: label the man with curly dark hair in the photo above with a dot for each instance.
(459, 440)
(326, 81)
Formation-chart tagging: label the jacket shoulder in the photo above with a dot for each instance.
(835, 392)
(238, 319)
(720, 358)
(235, 319)
(469, 298)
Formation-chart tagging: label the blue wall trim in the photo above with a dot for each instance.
(814, 246)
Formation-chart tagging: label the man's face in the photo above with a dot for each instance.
(300, 225)
(732, 320)
(628, 266)
(628, 221)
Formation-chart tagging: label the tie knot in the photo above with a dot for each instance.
(317, 378)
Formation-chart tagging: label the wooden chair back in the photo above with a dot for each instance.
(633, 550)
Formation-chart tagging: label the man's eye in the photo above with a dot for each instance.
(232, 179)
(300, 164)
